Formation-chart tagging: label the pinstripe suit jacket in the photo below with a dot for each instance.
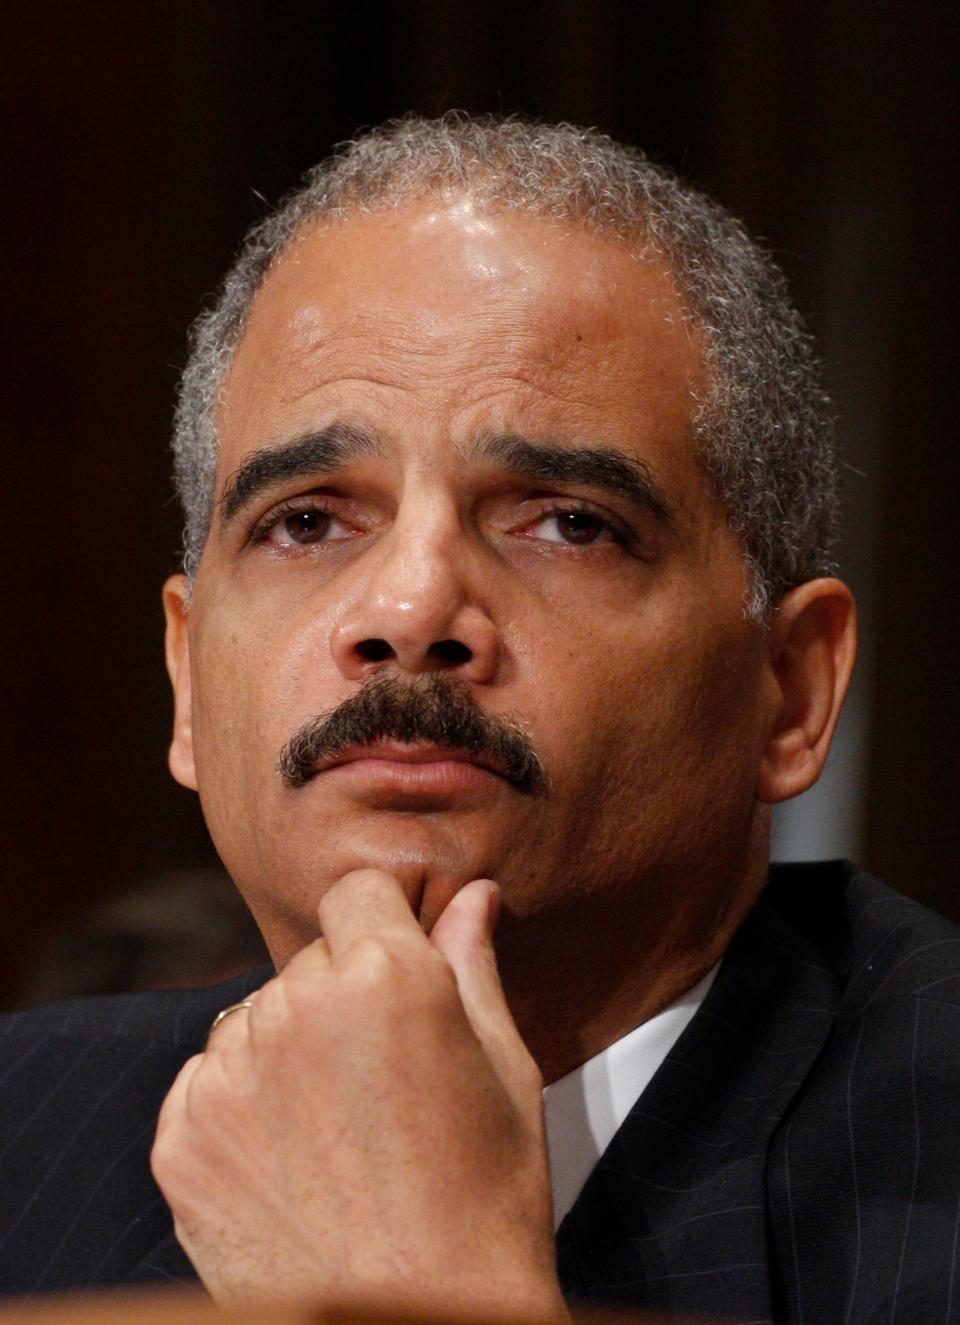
(797, 1156)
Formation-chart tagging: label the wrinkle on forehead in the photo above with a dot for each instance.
(565, 362)
(394, 302)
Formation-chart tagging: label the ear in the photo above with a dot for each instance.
(176, 609)
(813, 644)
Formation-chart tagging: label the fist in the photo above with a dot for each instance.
(370, 1131)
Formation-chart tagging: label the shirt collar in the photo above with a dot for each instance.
(584, 1109)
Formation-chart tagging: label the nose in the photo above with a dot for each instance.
(420, 609)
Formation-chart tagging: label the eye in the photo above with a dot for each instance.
(301, 526)
(575, 528)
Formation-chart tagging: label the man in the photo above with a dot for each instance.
(507, 613)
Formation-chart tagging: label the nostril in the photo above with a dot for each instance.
(450, 651)
(374, 650)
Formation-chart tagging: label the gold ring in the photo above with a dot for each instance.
(225, 1013)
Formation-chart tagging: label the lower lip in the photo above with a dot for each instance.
(441, 778)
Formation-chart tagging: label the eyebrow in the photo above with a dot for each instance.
(590, 466)
(324, 452)
(309, 456)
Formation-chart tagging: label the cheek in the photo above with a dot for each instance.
(224, 719)
(239, 715)
(661, 715)
(260, 669)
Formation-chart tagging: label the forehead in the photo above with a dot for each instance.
(455, 312)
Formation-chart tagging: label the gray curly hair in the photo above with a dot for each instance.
(762, 429)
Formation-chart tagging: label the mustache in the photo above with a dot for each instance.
(434, 710)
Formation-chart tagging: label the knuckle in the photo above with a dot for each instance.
(306, 961)
(396, 980)
(283, 1012)
(270, 1007)
(370, 961)
(166, 1160)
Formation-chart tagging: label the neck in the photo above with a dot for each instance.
(580, 978)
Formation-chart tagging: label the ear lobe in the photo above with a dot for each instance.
(813, 644)
(177, 647)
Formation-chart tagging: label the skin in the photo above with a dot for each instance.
(665, 720)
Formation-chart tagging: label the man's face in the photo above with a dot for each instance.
(473, 461)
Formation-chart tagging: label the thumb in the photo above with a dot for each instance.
(464, 936)
(464, 930)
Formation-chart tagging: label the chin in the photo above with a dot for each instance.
(416, 849)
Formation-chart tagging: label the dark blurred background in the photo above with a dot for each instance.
(140, 141)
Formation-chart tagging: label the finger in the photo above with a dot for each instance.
(234, 1012)
(464, 936)
(467, 923)
(310, 960)
(368, 903)
(175, 1103)
(304, 972)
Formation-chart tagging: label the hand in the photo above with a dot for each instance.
(370, 1131)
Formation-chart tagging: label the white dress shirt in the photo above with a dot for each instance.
(586, 1107)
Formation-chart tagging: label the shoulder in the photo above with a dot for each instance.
(81, 1084)
(883, 946)
(895, 1039)
(88, 1074)
(896, 1026)
(178, 1018)
(862, 1173)
(108, 1061)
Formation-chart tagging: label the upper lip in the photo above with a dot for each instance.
(404, 753)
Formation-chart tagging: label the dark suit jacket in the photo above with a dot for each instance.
(796, 1157)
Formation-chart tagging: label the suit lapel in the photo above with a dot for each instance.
(674, 1215)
